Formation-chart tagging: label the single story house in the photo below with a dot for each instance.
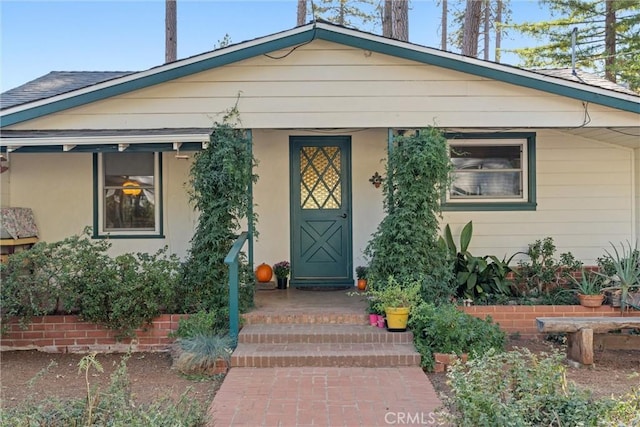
(540, 153)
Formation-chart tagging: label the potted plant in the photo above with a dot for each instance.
(589, 289)
(361, 274)
(281, 270)
(396, 299)
(625, 269)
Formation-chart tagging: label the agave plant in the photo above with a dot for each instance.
(626, 267)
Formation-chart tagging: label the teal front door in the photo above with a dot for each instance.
(321, 247)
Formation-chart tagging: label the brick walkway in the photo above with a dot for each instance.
(317, 396)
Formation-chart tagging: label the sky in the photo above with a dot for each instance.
(37, 37)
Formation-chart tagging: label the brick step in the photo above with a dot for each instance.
(344, 318)
(320, 333)
(324, 354)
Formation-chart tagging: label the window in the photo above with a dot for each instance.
(129, 196)
(492, 172)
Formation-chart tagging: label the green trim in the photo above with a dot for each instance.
(407, 51)
(96, 206)
(160, 77)
(465, 65)
(529, 205)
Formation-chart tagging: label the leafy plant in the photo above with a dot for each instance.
(543, 272)
(394, 294)
(521, 388)
(219, 189)
(362, 272)
(590, 283)
(405, 244)
(625, 265)
(476, 277)
(282, 269)
(445, 329)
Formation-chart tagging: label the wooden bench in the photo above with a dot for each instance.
(580, 332)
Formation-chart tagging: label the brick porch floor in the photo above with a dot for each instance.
(334, 395)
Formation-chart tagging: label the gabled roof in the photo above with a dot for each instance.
(320, 31)
(55, 83)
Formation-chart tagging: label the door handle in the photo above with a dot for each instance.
(344, 215)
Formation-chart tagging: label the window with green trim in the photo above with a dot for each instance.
(492, 172)
(128, 194)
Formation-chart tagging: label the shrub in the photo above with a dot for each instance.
(77, 275)
(521, 388)
(201, 352)
(219, 180)
(445, 329)
(405, 245)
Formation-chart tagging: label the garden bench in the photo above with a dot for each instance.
(580, 332)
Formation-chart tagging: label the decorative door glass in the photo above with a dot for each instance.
(320, 186)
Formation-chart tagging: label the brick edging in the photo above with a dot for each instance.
(521, 319)
(68, 334)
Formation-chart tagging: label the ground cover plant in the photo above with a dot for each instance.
(112, 406)
(522, 388)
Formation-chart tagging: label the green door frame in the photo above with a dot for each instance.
(339, 273)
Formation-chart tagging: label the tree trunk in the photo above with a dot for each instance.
(487, 28)
(341, 13)
(400, 26)
(610, 42)
(472, 16)
(386, 18)
(445, 11)
(498, 24)
(302, 12)
(171, 36)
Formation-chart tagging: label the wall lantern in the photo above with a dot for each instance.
(376, 179)
(131, 188)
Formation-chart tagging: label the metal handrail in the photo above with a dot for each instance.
(232, 261)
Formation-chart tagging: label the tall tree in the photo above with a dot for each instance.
(494, 14)
(444, 24)
(608, 38)
(350, 13)
(400, 19)
(171, 36)
(302, 12)
(471, 30)
(387, 18)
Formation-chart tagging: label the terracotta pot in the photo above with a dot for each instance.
(591, 300)
(362, 284)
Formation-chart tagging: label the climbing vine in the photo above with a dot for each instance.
(405, 245)
(220, 179)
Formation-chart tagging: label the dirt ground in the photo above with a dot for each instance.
(615, 372)
(32, 375)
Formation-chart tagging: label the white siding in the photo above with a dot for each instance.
(326, 85)
(585, 200)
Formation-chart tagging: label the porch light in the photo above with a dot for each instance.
(132, 188)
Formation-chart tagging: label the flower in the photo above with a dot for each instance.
(281, 269)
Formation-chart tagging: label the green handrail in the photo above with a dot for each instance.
(232, 261)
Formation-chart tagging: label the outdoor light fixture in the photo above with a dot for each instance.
(131, 188)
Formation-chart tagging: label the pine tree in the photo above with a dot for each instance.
(349, 13)
(608, 38)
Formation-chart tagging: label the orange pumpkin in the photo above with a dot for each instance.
(264, 273)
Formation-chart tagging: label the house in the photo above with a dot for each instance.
(537, 154)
